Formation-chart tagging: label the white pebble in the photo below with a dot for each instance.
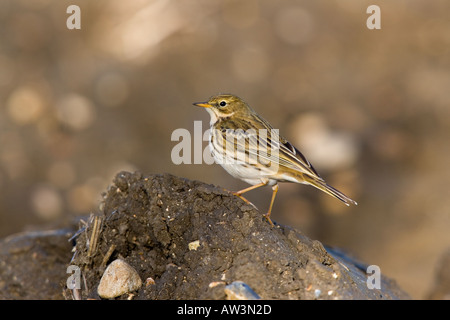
(119, 278)
(194, 245)
(317, 293)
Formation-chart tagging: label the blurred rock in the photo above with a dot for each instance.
(239, 290)
(441, 288)
(119, 278)
(33, 265)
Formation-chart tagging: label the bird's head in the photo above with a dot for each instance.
(225, 105)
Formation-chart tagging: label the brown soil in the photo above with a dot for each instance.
(150, 222)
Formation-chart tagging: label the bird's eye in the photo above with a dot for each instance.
(222, 103)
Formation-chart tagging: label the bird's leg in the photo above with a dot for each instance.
(239, 193)
(274, 193)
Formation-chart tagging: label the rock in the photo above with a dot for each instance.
(33, 264)
(441, 287)
(239, 290)
(119, 278)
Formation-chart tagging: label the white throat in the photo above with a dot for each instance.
(213, 116)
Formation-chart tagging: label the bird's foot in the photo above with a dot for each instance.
(237, 194)
(267, 216)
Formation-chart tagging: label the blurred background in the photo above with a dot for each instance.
(369, 108)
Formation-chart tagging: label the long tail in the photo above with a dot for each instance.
(323, 186)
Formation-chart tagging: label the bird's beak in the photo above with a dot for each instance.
(202, 104)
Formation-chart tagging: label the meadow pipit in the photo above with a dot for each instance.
(250, 149)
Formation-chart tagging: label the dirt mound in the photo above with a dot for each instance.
(186, 240)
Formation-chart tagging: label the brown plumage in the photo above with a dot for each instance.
(250, 149)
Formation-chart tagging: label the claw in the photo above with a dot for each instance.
(275, 190)
(237, 194)
(267, 216)
(245, 200)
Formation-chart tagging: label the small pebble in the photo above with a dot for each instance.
(149, 281)
(194, 245)
(317, 293)
(215, 284)
(119, 278)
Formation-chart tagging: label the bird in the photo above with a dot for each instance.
(249, 148)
